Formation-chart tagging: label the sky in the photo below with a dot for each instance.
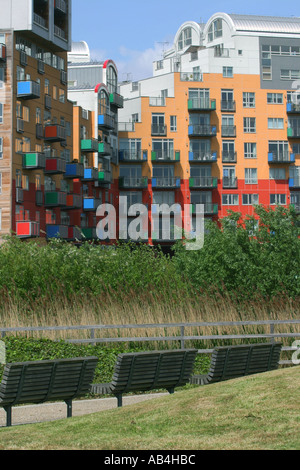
(134, 33)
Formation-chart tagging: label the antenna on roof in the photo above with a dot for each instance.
(163, 46)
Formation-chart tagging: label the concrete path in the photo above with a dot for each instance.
(25, 414)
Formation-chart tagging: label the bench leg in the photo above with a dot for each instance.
(8, 415)
(69, 408)
(120, 401)
(171, 390)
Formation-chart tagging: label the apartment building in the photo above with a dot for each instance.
(36, 118)
(218, 123)
(93, 86)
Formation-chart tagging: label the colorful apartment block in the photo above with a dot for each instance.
(218, 123)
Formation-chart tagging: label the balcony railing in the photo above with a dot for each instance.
(39, 20)
(2, 53)
(293, 108)
(294, 182)
(209, 208)
(33, 161)
(229, 157)
(159, 129)
(104, 148)
(191, 77)
(89, 233)
(202, 130)
(126, 126)
(166, 182)
(105, 121)
(164, 156)
(89, 145)
(294, 132)
(116, 100)
(55, 133)
(202, 157)
(74, 201)
(27, 229)
(228, 105)
(281, 157)
(204, 182)
(28, 90)
(138, 183)
(90, 174)
(90, 203)
(201, 104)
(228, 131)
(61, 6)
(133, 156)
(59, 32)
(74, 170)
(55, 198)
(104, 177)
(57, 231)
(55, 166)
(230, 182)
(157, 101)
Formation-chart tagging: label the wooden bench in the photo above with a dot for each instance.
(237, 361)
(41, 381)
(144, 371)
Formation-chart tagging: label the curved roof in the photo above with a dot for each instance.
(266, 24)
(80, 47)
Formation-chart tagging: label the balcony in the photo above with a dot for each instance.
(90, 174)
(202, 157)
(89, 145)
(20, 125)
(230, 182)
(55, 199)
(157, 101)
(74, 170)
(161, 156)
(203, 182)
(57, 231)
(228, 106)
(202, 131)
(33, 161)
(89, 233)
(104, 177)
(209, 208)
(91, 203)
(106, 122)
(166, 183)
(59, 32)
(28, 90)
(138, 156)
(125, 182)
(74, 234)
(73, 201)
(293, 108)
(2, 53)
(296, 206)
(116, 100)
(228, 131)
(294, 132)
(55, 133)
(104, 148)
(48, 102)
(39, 198)
(229, 157)
(191, 77)
(294, 182)
(158, 129)
(282, 157)
(198, 104)
(39, 131)
(19, 195)
(27, 229)
(55, 166)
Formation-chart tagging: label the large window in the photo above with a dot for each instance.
(185, 38)
(1, 113)
(215, 30)
(250, 175)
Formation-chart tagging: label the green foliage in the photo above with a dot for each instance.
(247, 259)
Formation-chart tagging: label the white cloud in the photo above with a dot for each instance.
(137, 65)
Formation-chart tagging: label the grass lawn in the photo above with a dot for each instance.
(256, 412)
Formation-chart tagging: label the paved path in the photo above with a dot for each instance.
(26, 414)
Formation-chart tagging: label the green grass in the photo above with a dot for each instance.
(255, 412)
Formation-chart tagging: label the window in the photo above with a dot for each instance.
(135, 117)
(278, 199)
(20, 73)
(249, 125)
(267, 73)
(250, 150)
(199, 97)
(250, 175)
(277, 173)
(26, 114)
(164, 197)
(18, 179)
(55, 92)
(133, 197)
(0, 183)
(275, 123)
(158, 124)
(26, 144)
(230, 199)
(288, 74)
(2, 76)
(1, 148)
(163, 148)
(1, 113)
(38, 182)
(274, 98)
(228, 72)
(296, 149)
(250, 199)
(279, 148)
(25, 182)
(61, 95)
(38, 116)
(249, 100)
(173, 123)
(215, 30)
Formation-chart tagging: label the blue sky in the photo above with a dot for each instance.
(133, 32)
